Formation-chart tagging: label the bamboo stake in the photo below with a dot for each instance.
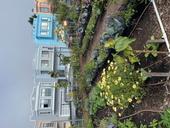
(141, 111)
(159, 74)
(161, 25)
(149, 51)
(156, 41)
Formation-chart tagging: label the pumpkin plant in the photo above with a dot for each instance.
(122, 45)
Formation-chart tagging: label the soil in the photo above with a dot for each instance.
(156, 97)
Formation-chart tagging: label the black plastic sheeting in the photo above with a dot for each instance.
(115, 27)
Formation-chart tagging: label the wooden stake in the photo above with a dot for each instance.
(159, 74)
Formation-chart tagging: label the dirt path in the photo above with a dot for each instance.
(111, 9)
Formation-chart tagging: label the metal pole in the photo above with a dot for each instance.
(161, 25)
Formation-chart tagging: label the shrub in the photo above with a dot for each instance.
(120, 84)
(96, 11)
(95, 101)
(61, 84)
(127, 124)
(89, 69)
(122, 45)
(128, 13)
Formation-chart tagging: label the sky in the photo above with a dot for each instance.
(16, 63)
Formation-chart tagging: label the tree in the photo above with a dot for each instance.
(31, 19)
(61, 84)
(66, 60)
(54, 74)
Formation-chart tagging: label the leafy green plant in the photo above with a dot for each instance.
(102, 54)
(103, 123)
(154, 124)
(54, 74)
(61, 84)
(61, 11)
(108, 121)
(120, 83)
(119, 44)
(65, 60)
(90, 124)
(127, 124)
(165, 118)
(122, 44)
(72, 14)
(95, 101)
(89, 69)
(143, 126)
(128, 13)
(153, 47)
(128, 52)
(96, 11)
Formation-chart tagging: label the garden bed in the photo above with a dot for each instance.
(156, 97)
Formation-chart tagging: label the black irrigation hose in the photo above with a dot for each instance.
(157, 62)
(139, 19)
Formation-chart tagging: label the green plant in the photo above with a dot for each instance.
(154, 124)
(102, 54)
(120, 83)
(153, 47)
(103, 123)
(127, 124)
(61, 84)
(143, 126)
(122, 44)
(90, 124)
(73, 14)
(128, 13)
(65, 60)
(89, 69)
(165, 118)
(96, 11)
(119, 44)
(95, 101)
(62, 12)
(54, 74)
(75, 58)
(108, 120)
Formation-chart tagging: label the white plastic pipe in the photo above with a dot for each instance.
(161, 25)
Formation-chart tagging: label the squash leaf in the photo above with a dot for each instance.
(122, 43)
